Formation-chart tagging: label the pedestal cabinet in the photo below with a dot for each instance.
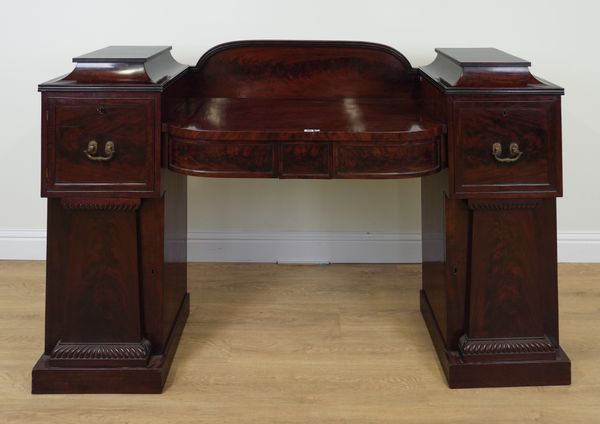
(124, 128)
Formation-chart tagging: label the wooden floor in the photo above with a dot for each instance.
(302, 344)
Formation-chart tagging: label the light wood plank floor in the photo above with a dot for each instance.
(302, 344)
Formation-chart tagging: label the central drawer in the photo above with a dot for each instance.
(304, 159)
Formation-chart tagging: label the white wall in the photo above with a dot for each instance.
(560, 38)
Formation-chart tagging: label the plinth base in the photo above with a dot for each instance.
(461, 374)
(149, 379)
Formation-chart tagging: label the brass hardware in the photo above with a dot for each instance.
(513, 150)
(92, 149)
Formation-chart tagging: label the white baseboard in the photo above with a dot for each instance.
(304, 247)
(23, 244)
(299, 247)
(579, 247)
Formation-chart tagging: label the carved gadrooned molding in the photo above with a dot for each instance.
(502, 205)
(112, 205)
(107, 354)
(505, 348)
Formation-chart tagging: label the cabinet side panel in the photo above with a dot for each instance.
(546, 234)
(457, 262)
(445, 227)
(433, 193)
(151, 230)
(56, 266)
(163, 258)
(175, 245)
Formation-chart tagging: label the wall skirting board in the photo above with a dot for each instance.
(299, 247)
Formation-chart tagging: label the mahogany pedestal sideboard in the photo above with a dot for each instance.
(124, 128)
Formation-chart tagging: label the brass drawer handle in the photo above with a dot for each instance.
(513, 149)
(92, 149)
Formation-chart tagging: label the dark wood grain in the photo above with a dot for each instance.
(445, 223)
(461, 374)
(216, 137)
(529, 123)
(117, 68)
(116, 259)
(116, 269)
(303, 69)
(389, 160)
(75, 121)
(305, 160)
(505, 290)
(222, 159)
(360, 119)
(47, 379)
(484, 71)
(97, 303)
(163, 258)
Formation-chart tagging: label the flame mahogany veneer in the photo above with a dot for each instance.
(121, 131)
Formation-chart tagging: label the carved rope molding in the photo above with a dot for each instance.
(505, 346)
(101, 351)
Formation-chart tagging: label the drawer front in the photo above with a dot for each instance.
(322, 159)
(222, 158)
(387, 160)
(507, 147)
(100, 145)
(305, 160)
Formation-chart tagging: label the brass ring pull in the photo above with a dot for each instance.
(513, 149)
(92, 149)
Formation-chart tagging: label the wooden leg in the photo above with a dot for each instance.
(116, 299)
(489, 295)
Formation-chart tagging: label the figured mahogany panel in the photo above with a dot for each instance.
(116, 289)
(506, 285)
(222, 159)
(528, 125)
(305, 160)
(102, 294)
(74, 123)
(484, 70)
(303, 69)
(386, 160)
(93, 308)
(445, 244)
(163, 258)
(120, 68)
(513, 282)
(343, 138)
(347, 119)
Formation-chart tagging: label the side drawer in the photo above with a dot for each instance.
(248, 159)
(99, 144)
(507, 147)
(354, 159)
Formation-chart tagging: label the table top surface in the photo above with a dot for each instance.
(330, 119)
